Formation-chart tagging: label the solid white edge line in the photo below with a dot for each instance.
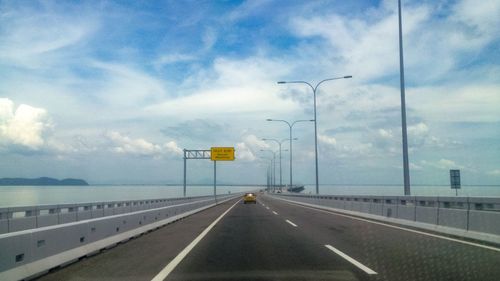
(275, 213)
(173, 263)
(400, 228)
(351, 260)
(294, 225)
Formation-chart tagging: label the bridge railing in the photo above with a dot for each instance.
(479, 214)
(28, 217)
(31, 252)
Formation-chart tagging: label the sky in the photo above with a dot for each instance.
(113, 91)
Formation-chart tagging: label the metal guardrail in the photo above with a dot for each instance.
(479, 214)
(28, 217)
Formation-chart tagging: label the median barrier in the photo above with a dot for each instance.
(472, 217)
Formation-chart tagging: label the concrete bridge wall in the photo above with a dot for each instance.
(472, 214)
(44, 237)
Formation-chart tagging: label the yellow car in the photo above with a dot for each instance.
(250, 198)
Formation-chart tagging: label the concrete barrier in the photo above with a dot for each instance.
(28, 217)
(474, 214)
(31, 252)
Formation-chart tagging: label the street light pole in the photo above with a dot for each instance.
(291, 155)
(314, 88)
(274, 166)
(406, 165)
(279, 144)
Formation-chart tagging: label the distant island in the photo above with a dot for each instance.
(44, 181)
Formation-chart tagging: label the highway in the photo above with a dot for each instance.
(277, 240)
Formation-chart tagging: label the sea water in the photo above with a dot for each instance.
(37, 195)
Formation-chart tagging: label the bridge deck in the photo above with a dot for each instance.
(275, 240)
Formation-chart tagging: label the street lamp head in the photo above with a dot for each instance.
(295, 139)
(281, 82)
(269, 119)
(312, 120)
(348, 76)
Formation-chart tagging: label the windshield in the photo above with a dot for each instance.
(250, 140)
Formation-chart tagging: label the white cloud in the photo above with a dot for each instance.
(495, 172)
(209, 38)
(231, 87)
(125, 86)
(385, 134)
(482, 15)
(415, 167)
(418, 130)
(23, 126)
(243, 152)
(457, 103)
(174, 58)
(141, 147)
(327, 140)
(38, 38)
(172, 148)
(365, 45)
(255, 142)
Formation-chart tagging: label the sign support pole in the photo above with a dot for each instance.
(215, 180)
(185, 159)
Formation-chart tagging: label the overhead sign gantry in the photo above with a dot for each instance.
(215, 154)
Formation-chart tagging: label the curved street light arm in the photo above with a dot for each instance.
(329, 79)
(275, 140)
(297, 121)
(300, 82)
(280, 121)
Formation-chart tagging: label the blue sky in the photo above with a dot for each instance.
(112, 91)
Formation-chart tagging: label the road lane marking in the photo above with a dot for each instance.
(401, 228)
(275, 213)
(294, 225)
(267, 208)
(173, 263)
(351, 260)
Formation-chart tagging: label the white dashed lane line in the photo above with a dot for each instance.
(275, 213)
(351, 260)
(291, 223)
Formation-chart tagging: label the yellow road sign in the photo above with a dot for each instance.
(222, 153)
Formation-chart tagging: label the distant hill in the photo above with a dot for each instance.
(41, 181)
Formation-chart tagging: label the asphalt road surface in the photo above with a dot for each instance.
(276, 240)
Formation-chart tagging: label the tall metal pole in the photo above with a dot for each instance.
(267, 179)
(184, 190)
(280, 165)
(406, 165)
(274, 171)
(215, 180)
(316, 142)
(291, 154)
